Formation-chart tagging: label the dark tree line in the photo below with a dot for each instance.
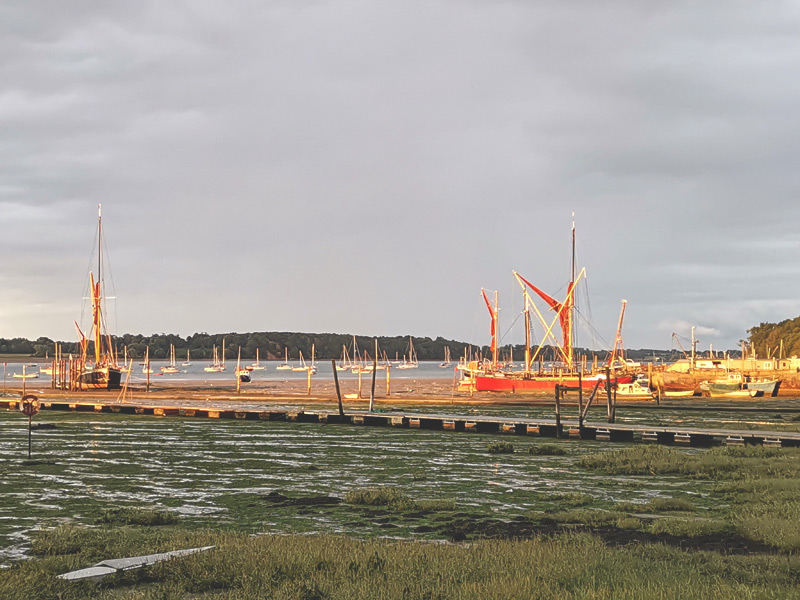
(272, 346)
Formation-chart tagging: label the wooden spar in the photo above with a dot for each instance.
(559, 307)
(618, 338)
(388, 379)
(526, 301)
(338, 391)
(147, 368)
(493, 313)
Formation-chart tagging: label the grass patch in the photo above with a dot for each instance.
(546, 450)
(687, 528)
(331, 567)
(500, 448)
(718, 463)
(757, 491)
(395, 499)
(580, 516)
(138, 516)
(573, 499)
(655, 505)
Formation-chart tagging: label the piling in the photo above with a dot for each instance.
(338, 391)
(374, 375)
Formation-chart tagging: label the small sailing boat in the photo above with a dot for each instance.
(447, 360)
(146, 368)
(171, 368)
(241, 372)
(346, 364)
(303, 366)
(256, 366)
(215, 366)
(412, 362)
(25, 374)
(188, 362)
(285, 366)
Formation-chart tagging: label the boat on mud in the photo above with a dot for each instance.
(490, 376)
(102, 372)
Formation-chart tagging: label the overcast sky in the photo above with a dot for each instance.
(366, 167)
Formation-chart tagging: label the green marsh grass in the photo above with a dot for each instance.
(757, 489)
(331, 567)
(547, 450)
(500, 448)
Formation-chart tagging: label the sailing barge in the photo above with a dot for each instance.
(492, 377)
(100, 370)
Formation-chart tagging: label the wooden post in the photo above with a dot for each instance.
(614, 405)
(580, 402)
(238, 380)
(308, 372)
(147, 370)
(558, 411)
(374, 374)
(388, 380)
(608, 395)
(359, 383)
(336, 383)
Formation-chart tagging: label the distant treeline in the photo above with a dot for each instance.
(766, 338)
(272, 346)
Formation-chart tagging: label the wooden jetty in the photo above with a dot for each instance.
(519, 426)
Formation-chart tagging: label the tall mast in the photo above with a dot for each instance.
(527, 319)
(572, 299)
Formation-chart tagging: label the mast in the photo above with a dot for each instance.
(570, 335)
(527, 319)
(493, 313)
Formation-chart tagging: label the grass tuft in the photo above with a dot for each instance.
(500, 448)
(547, 450)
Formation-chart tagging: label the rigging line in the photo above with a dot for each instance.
(510, 327)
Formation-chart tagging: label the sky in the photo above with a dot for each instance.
(363, 167)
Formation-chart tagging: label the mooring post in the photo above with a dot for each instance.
(580, 402)
(359, 383)
(374, 375)
(608, 395)
(336, 383)
(30, 426)
(308, 390)
(614, 404)
(388, 380)
(558, 411)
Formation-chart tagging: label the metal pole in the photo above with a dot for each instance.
(29, 435)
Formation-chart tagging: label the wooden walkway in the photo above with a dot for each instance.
(687, 436)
